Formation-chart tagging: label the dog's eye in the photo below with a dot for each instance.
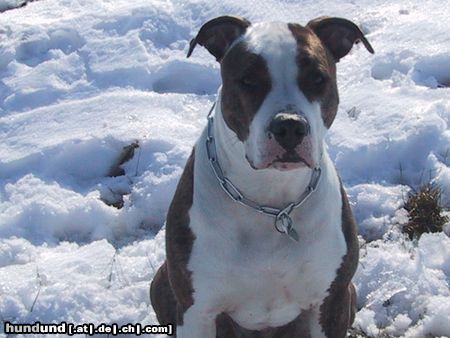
(248, 82)
(318, 79)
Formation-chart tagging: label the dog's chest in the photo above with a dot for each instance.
(242, 266)
(271, 288)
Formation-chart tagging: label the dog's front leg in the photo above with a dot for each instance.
(197, 323)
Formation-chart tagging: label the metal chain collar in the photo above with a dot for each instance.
(283, 220)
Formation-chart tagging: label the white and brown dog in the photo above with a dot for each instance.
(260, 238)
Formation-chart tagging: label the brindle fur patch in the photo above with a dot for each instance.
(246, 83)
(162, 298)
(338, 309)
(315, 62)
(179, 241)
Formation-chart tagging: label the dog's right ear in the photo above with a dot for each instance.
(218, 34)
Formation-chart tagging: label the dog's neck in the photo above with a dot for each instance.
(268, 187)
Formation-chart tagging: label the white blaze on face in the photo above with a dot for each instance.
(276, 44)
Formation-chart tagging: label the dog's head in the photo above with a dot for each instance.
(279, 93)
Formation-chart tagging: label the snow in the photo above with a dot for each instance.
(81, 80)
(405, 285)
(11, 4)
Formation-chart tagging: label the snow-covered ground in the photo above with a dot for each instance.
(11, 4)
(80, 80)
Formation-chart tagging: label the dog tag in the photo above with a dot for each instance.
(283, 223)
(293, 234)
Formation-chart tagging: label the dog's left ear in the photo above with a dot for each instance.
(338, 35)
(218, 34)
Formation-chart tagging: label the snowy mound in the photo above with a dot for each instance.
(81, 80)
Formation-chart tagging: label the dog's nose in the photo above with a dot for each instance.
(289, 129)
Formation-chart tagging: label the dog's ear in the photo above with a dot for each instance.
(218, 34)
(338, 35)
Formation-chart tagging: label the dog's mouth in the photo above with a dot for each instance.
(271, 155)
(289, 160)
(289, 157)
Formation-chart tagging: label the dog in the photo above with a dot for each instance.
(260, 237)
